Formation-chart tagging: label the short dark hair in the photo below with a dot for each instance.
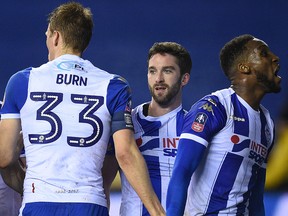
(74, 22)
(232, 52)
(175, 49)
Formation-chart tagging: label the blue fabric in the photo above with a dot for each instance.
(17, 87)
(183, 168)
(64, 209)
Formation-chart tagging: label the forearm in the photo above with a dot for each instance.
(13, 176)
(177, 206)
(189, 155)
(109, 171)
(10, 141)
(135, 170)
(177, 193)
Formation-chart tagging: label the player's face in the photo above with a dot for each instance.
(49, 43)
(264, 65)
(164, 79)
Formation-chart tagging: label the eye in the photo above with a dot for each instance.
(151, 71)
(264, 53)
(167, 71)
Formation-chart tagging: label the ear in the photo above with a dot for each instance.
(185, 79)
(243, 68)
(56, 36)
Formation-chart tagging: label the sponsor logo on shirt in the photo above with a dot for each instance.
(258, 152)
(208, 107)
(70, 65)
(237, 118)
(212, 101)
(199, 122)
(170, 146)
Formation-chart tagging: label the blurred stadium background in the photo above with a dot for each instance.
(125, 30)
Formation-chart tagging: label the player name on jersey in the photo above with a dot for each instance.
(71, 79)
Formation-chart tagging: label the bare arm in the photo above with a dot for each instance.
(134, 167)
(13, 176)
(109, 171)
(11, 144)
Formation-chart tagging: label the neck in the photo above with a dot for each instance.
(63, 51)
(156, 109)
(251, 95)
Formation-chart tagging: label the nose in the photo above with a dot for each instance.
(159, 77)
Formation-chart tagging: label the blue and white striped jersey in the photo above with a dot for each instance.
(157, 138)
(230, 175)
(68, 110)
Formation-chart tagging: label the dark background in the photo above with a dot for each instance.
(125, 30)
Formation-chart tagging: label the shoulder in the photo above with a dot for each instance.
(266, 114)
(19, 79)
(209, 102)
(22, 74)
(221, 100)
(264, 109)
(118, 83)
(223, 94)
(212, 106)
(140, 107)
(140, 110)
(118, 80)
(118, 87)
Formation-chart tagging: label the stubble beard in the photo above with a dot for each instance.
(270, 86)
(165, 100)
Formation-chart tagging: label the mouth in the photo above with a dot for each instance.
(160, 90)
(277, 71)
(160, 87)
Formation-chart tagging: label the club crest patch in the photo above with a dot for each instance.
(128, 106)
(199, 122)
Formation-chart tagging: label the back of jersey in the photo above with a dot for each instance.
(66, 127)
